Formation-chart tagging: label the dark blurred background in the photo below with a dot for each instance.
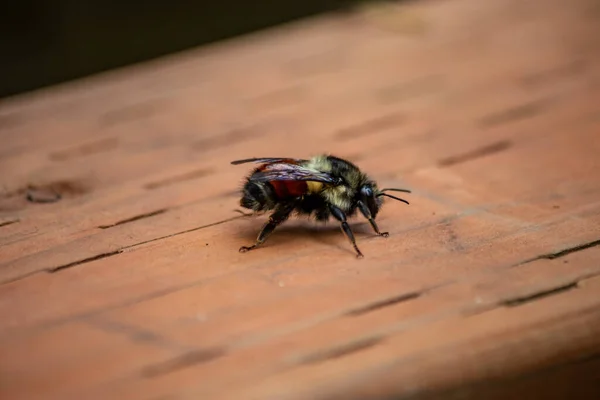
(45, 42)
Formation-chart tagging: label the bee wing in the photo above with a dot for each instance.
(291, 172)
(267, 160)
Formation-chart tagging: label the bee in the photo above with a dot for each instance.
(322, 187)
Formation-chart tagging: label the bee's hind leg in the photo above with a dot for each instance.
(280, 215)
(340, 216)
(365, 211)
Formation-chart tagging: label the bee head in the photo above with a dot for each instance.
(368, 194)
(371, 196)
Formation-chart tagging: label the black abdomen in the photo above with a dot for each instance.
(258, 196)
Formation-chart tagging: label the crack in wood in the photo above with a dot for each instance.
(136, 218)
(182, 232)
(550, 75)
(187, 359)
(518, 301)
(342, 351)
(84, 261)
(516, 113)
(113, 253)
(570, 250)
(135, 334)
(9, 222)
(384, 303)
(561, 253)
(474, 154)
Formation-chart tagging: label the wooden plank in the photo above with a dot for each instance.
(490, 115)
(553, 331)
(74, 356)
(152, 270)
(303, 352)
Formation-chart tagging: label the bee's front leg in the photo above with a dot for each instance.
(365, 211)
(279, 215)
(340, 216)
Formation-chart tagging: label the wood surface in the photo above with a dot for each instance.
(131, 286)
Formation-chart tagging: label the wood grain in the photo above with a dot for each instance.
(130, 285)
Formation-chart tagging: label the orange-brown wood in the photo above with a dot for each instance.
(131, 285)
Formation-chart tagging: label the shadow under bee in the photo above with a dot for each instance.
(301, 231)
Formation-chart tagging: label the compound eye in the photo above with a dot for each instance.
(367, 191)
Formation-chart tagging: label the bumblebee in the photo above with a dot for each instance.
(321, 187)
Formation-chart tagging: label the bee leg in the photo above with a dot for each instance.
(340, 216)
(365, 211)
(279, 216)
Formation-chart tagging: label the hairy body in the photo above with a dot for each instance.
(324, 186)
